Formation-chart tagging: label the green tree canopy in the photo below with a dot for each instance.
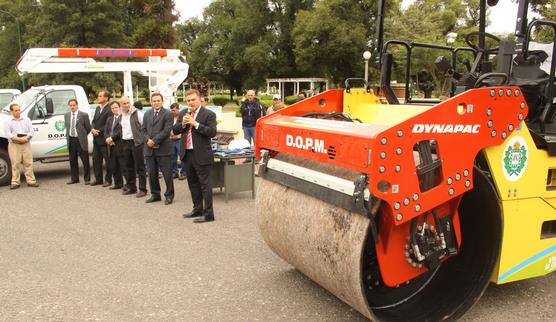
(282, 51)
(233, 44)
(77, 23)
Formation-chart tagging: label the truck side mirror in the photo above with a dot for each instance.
(49, 106)
(31, 114)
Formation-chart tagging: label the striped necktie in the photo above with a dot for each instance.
(188, 141)
(73, 120)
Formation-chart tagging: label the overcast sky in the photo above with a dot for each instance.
(502, 17)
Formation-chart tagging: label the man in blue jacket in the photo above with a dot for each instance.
(251, 111)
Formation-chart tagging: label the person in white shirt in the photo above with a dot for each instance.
(276, 104)
(133, 141)
(20, 132)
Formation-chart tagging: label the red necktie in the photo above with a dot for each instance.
(188, 142)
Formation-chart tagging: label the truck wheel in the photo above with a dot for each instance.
(5, 168)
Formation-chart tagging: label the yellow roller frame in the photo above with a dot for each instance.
(525, 178)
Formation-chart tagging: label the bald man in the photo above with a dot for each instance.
(251, 111)
(133, 140)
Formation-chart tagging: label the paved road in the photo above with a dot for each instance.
(86, 253)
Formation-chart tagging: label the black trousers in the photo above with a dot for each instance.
(134, 165)
(74, 151)
(200, 185)
(116, 163)
(163, 163)
(100, 152)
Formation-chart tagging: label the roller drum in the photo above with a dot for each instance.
(324, 242)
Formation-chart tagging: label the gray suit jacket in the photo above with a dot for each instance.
(82, 126)
(158, 130)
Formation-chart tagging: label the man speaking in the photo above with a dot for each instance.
(198, 125)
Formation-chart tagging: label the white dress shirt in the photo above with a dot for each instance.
(125, 122)
(22, 125)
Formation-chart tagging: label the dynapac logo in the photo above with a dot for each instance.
(302, 143)
(446, 128)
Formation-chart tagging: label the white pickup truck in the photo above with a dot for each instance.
(45, 106)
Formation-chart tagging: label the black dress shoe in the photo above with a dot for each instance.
(74, 181)
(168, 201)
(192, 214)
(95, 183)
(106, 184)
(203, 219)
(115, 187)
(87, 182)
(128, 192)
(153, 199)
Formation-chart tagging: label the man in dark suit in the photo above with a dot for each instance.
(77, 130)
(100, 150)
(198, 126)
(157, 124)
(113, 133)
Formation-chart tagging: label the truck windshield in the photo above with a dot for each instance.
(6, 98)
(24, 100)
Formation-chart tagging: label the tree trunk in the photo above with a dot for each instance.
(238, 93)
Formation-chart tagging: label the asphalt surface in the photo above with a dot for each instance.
(80, 253)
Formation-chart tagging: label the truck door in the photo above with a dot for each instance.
(50, 129)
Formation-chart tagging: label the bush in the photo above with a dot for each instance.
(290, 99)
(265, 97)
(266, 102)
(221, 100)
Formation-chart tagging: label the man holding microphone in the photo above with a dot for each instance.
(197, 126)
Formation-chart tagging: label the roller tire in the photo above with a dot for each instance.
(460, 281)
(5, 168)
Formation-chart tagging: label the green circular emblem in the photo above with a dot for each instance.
(60, 125)
(515, 158)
